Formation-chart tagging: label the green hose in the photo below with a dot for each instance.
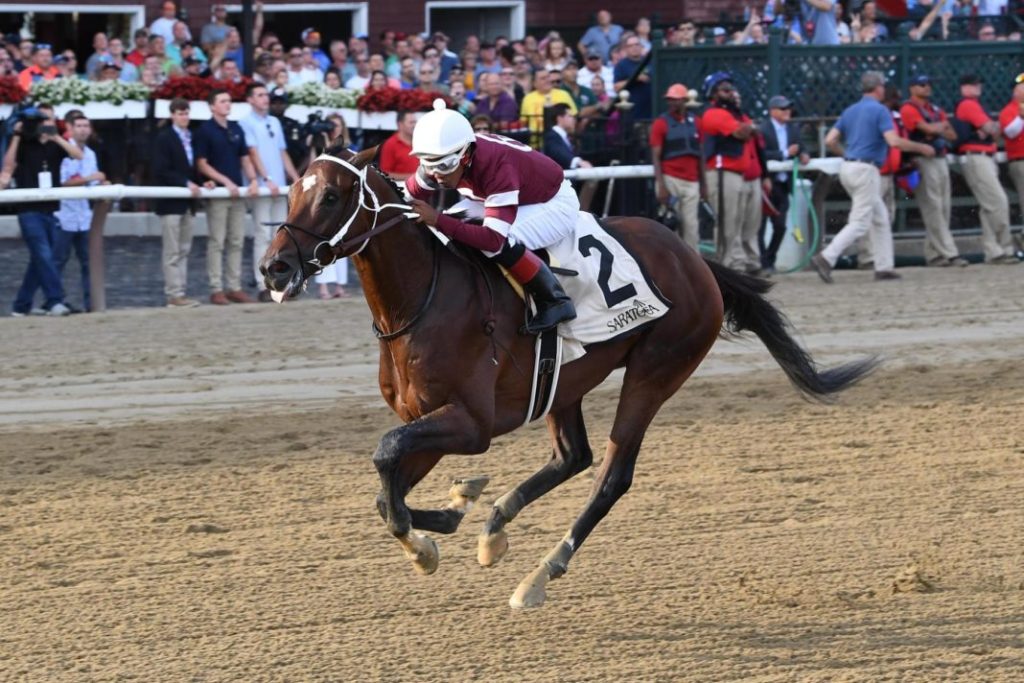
(815, 227)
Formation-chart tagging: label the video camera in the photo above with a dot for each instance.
(316, 125)
(31, 119)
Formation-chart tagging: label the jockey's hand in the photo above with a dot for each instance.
(427, 213)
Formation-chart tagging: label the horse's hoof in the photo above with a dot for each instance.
(532, 592)
(468, 487)
(491, 548)
(422, 551)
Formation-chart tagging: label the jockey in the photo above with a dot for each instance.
(525, 200)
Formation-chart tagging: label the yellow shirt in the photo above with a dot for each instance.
(532, 110)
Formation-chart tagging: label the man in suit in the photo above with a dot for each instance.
(174, 165)
(782, 142)
(559, 146)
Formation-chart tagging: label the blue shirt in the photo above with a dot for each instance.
(863, 126)
(639, 92)
(597, 40)
(824, 21)
(222, 147)
(266, 135)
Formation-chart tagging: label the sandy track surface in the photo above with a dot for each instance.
(188, 496)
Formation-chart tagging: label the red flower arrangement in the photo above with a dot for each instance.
(393, 99)
(195, 88)
(11, 91)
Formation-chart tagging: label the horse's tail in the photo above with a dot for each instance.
(746, 308)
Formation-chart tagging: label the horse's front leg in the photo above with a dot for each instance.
(406, 454)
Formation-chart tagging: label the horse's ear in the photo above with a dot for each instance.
(367, 157)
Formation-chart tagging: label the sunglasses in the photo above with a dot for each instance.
(270, 131)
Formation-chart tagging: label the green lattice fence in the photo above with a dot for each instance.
(822, 81)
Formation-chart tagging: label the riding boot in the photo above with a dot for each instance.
(553, 305)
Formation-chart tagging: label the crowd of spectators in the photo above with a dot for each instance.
(546, 91)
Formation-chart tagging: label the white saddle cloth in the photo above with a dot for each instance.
(612, 294)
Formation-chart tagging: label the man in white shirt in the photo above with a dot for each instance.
(362, 77)
(164, 26)
(298, 73)
(265, 139)
(75, 215)
(593, 66)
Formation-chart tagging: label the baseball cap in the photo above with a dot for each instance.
(920, 79)
(779, 102)
(676, 91)
(278, 95)
(362, 36)
(970, 79)
(718, 31)
(310, 33)
(593, 53)
(60, 59)
(189, 61)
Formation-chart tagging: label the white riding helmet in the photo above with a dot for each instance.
(441, 138)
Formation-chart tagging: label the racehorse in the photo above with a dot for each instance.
(452, 359)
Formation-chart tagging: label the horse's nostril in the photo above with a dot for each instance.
(278, 267)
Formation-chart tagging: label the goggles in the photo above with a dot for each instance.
(443, 165)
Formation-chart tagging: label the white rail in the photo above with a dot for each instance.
(827, 165)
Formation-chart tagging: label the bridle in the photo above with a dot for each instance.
(337, 246)
(334, 243)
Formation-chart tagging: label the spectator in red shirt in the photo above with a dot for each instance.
(138, 54)
(977, 135)
(675, 150)
(732, 173)
(1011, 121)
(927, 123)
(396, 153)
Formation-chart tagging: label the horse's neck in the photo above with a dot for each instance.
(395, 270)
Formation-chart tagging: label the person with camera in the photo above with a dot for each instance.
(33, 159)
(268, 151)
(222, 156)
(675, 142)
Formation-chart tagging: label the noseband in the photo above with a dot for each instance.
(334, 244)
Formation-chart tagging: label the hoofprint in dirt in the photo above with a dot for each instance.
(188, 495)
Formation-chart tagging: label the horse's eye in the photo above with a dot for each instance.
(330, 198)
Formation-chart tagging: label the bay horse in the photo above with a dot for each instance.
(452, 359)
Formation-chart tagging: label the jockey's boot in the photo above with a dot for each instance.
(553, 305)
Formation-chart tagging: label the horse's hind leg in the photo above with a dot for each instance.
(655, 372)
(570, 455)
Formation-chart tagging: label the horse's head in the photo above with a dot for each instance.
(339, 199)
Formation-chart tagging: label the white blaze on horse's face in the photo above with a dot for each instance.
(308, 182)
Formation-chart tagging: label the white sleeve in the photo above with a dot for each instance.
(1015, 127)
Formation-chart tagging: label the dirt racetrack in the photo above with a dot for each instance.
(188, 496)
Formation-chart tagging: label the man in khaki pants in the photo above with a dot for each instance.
(867, 129)
(1011, 120)
(927, 123)
(977, 135)
(222, 156)
(174, 166)
(734, 173)
(676, 151)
